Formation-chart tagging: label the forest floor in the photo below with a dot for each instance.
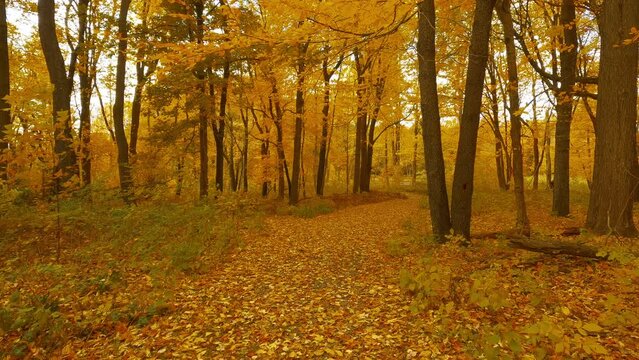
(364, 282)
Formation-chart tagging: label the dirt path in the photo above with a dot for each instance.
(323, 287)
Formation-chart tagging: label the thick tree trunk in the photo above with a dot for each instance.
(65, 158)
(126, 179)
(503, 11)
(469, 124)
(568, 61)
(5, 89)
(431, 124)
(613, 186)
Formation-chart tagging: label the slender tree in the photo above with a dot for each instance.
(505, 16)
(431, 124)
(568, 61)
(614, 183)
(465, 162)
(124, 168)
(5, 84)
(64, 153)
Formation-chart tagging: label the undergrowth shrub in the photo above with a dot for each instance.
(313, 208)
(510, 308)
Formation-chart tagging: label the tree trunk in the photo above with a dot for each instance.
(360, 127)
(549, 182)
(613, 186)
(87, 79)
(469, 124)
(294, 191)
(126, 180)
(5, 89)
(219, 126)
(522, 225)
(568, 60)
(64, 154)
(203, 114)
(431, 124)
(500, 147)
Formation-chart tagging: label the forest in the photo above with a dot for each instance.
(369, 179)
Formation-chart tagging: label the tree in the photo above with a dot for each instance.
(614, 182)
(505, 16)
(469, 124)
(64, 153)
(5, 89)
(124, 168)
(293, 194)
(568, 61)
(431, 124)
(327, 74)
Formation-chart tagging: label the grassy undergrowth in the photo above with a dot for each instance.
(490, 301)
(113, 265)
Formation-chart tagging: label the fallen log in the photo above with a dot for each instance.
(557, 247)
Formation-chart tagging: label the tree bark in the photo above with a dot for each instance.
(220, 124)
(431, 124)
(522, 225)
(64, 154)
(5, 90)
(613, 186)
(124, 168)
(469, 124)
(203, 109)
(500, 147)
(87, 79)
(294, 191)
(568, 61)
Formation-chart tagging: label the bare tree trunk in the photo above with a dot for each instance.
(64, 154)
(203, 115)
(5, 89)
(294, 191)
(614, 185)
(431, 124)
(500, 145)
(219, 126)
(87, 79)
(469, 124)
(126, 180)
(503, 11)
(568, 60)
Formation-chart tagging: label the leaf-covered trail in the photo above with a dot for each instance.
(322, 287)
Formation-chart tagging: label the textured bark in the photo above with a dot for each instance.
(568, 61)
(522, 225)
(220, 125)
(557, 247)
(294, 191)
(124, 168)
(87, 79)
(360, 126)
(5, 89)
(469, 124)
(500, 147)
(203, 111)
(64, 154)
(324, 140)
(431, 124)
(613, 186)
